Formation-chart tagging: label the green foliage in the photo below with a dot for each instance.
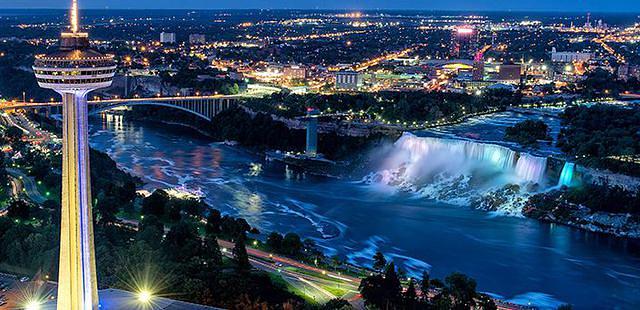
(602, 83)
(600, 134)
(262, 132)
(240, 255)
(171, 209)
(379, 262)
(527, 133)
(19, 208)
(390, 106)
(186, 78)
(336, 304)
(597, 197)
(384, 291)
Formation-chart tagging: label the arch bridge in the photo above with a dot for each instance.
(205, 107)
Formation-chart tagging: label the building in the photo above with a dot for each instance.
(349, 80)
(197, 38)
(623, 72)
(509, 73)
(570, 56)
(294, 73)
(73, 71)
(478, 68)
(464, 42)
(168, 37)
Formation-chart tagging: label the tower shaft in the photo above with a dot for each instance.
(77, 287)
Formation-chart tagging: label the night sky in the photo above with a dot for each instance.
(495, 5)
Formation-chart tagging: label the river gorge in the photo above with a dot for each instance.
(413, 206)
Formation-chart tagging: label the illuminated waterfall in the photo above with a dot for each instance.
(566, 176)
(531, 168)
(455, 155)
(419, 147)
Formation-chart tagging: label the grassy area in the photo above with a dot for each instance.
(278, 280)
(309, 273)
(337, 290)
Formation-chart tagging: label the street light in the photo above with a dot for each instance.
(32, 305)
(144, 296)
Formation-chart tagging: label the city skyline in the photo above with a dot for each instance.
(343, 158)
(618, 6)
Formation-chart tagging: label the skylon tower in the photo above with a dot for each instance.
(73, 71)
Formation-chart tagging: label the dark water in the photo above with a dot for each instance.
(519, 259)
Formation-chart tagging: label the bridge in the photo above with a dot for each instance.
(205, 107)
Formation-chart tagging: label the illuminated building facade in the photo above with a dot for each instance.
(73, 72)
(464, 42)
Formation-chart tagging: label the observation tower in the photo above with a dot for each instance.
(73, 71)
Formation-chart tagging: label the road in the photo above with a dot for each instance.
(310, 280)
(28, 184)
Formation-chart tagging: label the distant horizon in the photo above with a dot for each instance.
(547, 6)
(334, 9)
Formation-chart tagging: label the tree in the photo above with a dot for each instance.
(274, 241)
(462, 290)
(212, 254)
(336, 304)
(486, 302)
(13, 134)
(425, 285)
(379, 261)
(107, 208)
(392, 285)
(19, 208)
(527, 132)
(156, 203)
(291, 244)
(151, 230)
(410, 295)
(212, 228)
(372, 289)
(240, 255)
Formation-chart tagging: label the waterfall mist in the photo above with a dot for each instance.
(457, 171)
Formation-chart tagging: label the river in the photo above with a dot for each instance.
(519, 259)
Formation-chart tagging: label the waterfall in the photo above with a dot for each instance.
(531, 168)
(421, 147)
(566, 176)
(527, 168)
(460, 172)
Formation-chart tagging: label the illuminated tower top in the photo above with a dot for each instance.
(74, 67)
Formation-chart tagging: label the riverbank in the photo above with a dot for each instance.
(555, 207)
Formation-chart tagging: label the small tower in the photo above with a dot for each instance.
(73, 71)
(312, 132)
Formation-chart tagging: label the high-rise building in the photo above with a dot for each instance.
(348, 80)
(168, 37)
(478, 67)
(464, 42)
(197, 38)
(74, 71)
